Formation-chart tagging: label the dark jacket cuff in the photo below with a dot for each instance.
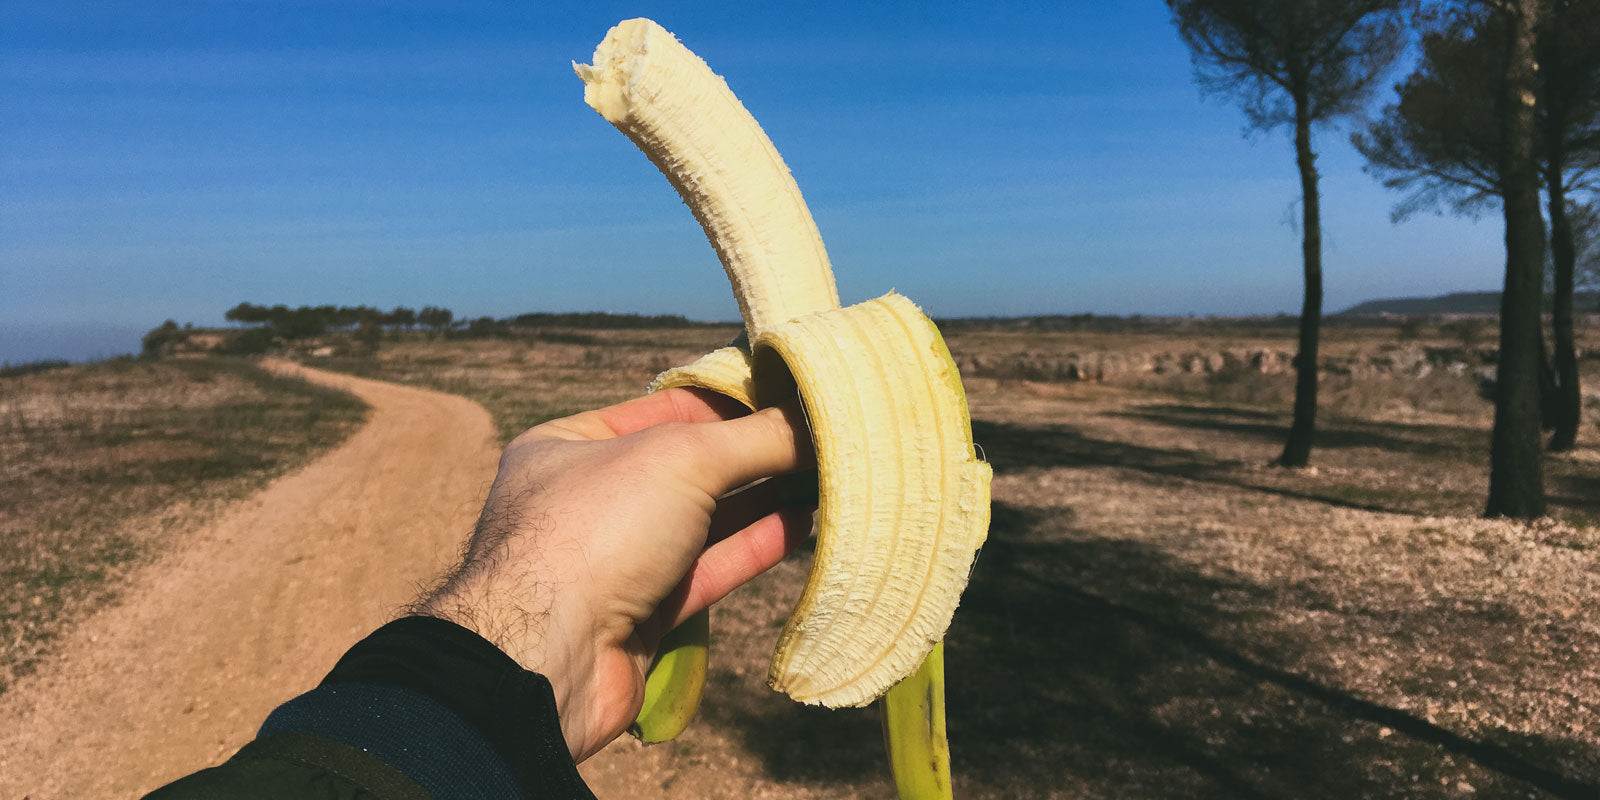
(444, 706)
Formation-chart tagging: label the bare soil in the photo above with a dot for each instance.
(105, 463)
(1157, 614)
(1160, 614)
(253, 607)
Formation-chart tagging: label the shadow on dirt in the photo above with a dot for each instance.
(1565, 487)
(1572, 491)
(1055, 689)
(1428, 441)
(1016, 447)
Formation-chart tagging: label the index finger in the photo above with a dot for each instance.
(669, 405)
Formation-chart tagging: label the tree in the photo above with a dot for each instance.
(1299, 63)
(369, 335)
(435, 319)
(1568, 79)
(245, 312)
(156, 340)
(1516, 471)
(1585, 220)
(486, 328)
(303, 322)
(402, 316)
(1442, 142)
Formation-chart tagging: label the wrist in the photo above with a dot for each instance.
(529, 633)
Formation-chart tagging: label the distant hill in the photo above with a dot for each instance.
(1456, 303)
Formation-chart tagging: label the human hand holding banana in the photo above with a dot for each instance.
(604, 530)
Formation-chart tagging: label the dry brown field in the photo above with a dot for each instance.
(1158, 612)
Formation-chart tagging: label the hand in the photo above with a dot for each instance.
(604, 530)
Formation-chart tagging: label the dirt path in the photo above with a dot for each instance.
(254, 607)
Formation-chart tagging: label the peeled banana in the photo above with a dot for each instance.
(903, 501)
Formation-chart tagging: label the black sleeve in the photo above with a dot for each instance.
(420, 708)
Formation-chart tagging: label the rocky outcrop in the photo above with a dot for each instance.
(1403, 360)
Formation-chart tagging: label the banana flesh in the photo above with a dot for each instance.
(903, 501)
(669, 103)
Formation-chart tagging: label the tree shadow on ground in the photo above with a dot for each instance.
(1427, 441)
(1566, 487)
(1011, 447)
(1572, 490)
(1082, 666)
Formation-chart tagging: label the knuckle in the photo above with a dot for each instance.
(676, 442)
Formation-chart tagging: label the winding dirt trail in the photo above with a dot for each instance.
(253, 607)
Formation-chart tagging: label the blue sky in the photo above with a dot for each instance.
(169, 159)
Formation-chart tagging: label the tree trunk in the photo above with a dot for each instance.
(1297, 450)
(1548, 393)
(1516, 479)
(1568, 401)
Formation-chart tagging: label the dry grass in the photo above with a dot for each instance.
(1159, 613)
(551, 375)
(104, 460)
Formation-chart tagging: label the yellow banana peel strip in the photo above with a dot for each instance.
(725, 371)
(903, 501)
(914, 732)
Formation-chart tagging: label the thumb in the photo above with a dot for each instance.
(730, 454)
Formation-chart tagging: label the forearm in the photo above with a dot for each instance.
(421, 705)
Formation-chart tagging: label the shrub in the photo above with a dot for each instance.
(252, 342)
(1467, 330)
(158, 338)
(30, 367)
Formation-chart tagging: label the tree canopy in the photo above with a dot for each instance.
(1440, 143)
(1333, 53)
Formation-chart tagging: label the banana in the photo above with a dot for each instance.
(667, 101)
(675, 682)
(903, 501)
(913, 731)
(724, 371)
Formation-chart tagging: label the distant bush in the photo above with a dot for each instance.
(1467, 330)
(435, 319)
(30, 367)
(159, 337)
(602, 320)
(305, 322)
(484, 328)
(1410, 329)
(561, 337)
(252, 342)
(369, 335)
(367, 324)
